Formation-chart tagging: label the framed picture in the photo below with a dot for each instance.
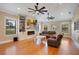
(31, 23)
(10, 27)
(65, 28)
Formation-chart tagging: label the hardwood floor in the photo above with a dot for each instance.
(28, 47)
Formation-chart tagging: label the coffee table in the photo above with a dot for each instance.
(40, 39)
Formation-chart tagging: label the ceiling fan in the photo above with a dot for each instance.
(50, 17)
(41, 10)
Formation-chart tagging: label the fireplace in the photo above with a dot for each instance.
(30, 32)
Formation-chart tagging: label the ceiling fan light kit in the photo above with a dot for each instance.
(41, 10)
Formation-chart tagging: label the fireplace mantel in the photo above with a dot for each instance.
(32, 32)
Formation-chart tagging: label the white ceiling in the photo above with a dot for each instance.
(58, 10)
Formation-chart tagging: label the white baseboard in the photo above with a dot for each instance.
(3, 42)
(28, 37)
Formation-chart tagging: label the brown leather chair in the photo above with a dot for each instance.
(55, 42)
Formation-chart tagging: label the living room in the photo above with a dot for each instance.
(34, 28)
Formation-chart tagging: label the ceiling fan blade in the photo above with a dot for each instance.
(51, 17)
(36, 7)
(31, 9)
(48, 14)
(41, 12)
(42, 8)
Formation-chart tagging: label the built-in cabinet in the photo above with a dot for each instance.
(21, 24)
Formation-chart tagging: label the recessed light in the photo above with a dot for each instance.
(18, 8)
(61, 13)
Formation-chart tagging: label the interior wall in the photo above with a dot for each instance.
(75, 33)
(3, 36)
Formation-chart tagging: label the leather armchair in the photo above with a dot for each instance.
(55, 42)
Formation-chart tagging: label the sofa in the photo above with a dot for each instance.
(48, 34)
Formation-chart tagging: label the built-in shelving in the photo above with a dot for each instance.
(22, 24)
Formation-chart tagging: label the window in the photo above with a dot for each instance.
(65, 28)
(45, 27)
(10, 27)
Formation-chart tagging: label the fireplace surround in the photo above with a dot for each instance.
(30, 32)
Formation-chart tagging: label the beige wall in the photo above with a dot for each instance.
(3, 36)
(76, 15)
